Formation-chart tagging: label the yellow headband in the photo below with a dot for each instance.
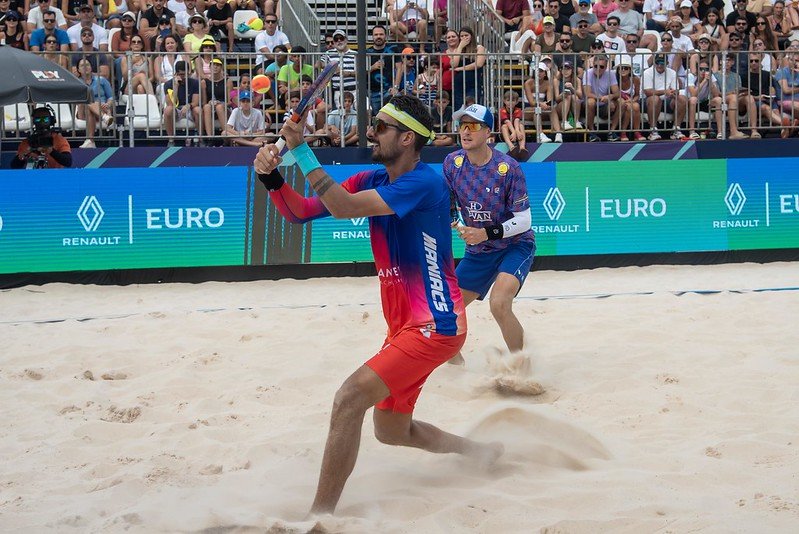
(406, 120)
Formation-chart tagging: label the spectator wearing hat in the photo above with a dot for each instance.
(220, 22)
(148, 25)
(266, 40)
(246, 125)
(344, 78)
(661, 87)
(629, 100)
(584, 13)
(515, 14)
(601, 90)
(547, 42)
(569, 96)
(99, 62)
(17, 6)
(410, 16)
(703, 52)
(582, 39)
(213, 97)
(181, 99)
(39, 35)
(11, 31)
(183, 18)
(86, 17)
(703, 94)
(690, 23)
(683, 44)
(164, 29)
(736, 97)
(658, 13)
(120, 42)
(198, 33)
(740, 12)
(408, 73)
(36, 17)
(202, 63)
(612, 42)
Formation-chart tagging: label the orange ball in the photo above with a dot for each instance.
(261, 84)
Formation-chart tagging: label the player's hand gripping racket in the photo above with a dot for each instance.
(309, 98)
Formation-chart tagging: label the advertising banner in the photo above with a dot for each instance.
(92, 219)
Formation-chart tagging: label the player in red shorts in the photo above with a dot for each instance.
(408, 206)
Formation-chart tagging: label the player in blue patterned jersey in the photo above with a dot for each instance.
(490, 193)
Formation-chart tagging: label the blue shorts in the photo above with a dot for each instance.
(476, 272)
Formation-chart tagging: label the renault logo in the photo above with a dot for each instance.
(554, 203)
(735, 198)
(90, 213)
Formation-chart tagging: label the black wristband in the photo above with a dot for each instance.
(272, 181)
(495, 232)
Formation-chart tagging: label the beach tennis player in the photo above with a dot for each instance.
(408, 206)
(490, 192)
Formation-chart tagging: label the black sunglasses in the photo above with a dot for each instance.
(379, 126)
(338, 38)
(270, 21)
(704, 69)
(600, 67)
(565, 41)
(754, 61)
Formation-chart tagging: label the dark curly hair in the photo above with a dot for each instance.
(416, 109)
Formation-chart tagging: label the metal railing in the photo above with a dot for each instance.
(301, 23)
(712, 108)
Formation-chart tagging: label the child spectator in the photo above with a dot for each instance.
(246, 125)
(442, 120)
(512, 126)
(427, 85)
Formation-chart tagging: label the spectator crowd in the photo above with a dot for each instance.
(618, 69)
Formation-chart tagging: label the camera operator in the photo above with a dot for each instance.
(45, 147)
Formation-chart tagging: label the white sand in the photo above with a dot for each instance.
(183, 407)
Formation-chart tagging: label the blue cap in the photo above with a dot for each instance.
(245, 95)
(586, 2)
(478, 113)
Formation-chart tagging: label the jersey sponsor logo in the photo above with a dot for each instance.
(434, 273)
(458, 161)
(503, 168)
(389, 275)
(735, 200)
(477, 213)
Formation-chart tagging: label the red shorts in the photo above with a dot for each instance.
(405, 362)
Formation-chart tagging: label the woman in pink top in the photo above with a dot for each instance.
(603, 8)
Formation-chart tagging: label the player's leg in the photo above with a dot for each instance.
(394, 428)
(512, 271)
(359, 392)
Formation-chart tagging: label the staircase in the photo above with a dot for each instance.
(335, 14)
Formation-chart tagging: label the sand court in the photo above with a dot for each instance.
(668, 403)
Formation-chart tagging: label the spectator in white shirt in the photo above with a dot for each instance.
(658, 13)
(35, 16)
(267, 39)
(613, 44)
(86, 14)
(662, 89)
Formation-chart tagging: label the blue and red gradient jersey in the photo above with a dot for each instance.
(488, 195)
(412, 248)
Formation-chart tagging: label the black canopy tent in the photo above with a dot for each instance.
(28, 78)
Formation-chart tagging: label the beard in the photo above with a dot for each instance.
(378, 156)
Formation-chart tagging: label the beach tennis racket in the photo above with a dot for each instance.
(310, 96)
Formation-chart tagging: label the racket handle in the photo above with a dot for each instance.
(281, 143)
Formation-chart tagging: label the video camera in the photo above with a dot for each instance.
(43, 122)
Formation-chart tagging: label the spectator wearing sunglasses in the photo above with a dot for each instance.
(183, 18)
(266, 40)
(582, 39)
(601, 88)
(761, 88)
(662, 89)
(584, 13)
(740, 12)
(49, 29)
(11, 30)
(36, 16)
(612, 42)
(52, 52)
(86, 18)
(99, 62)
(631, 22)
